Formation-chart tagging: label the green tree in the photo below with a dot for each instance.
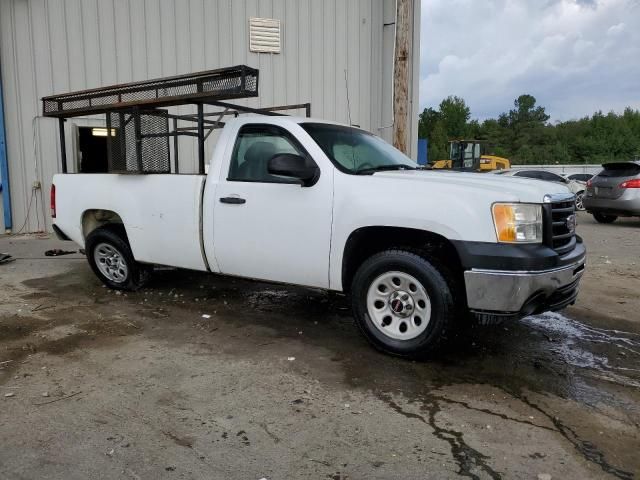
(526, 112)
(524, 134)
(438, 148)
(455, 114)
(527, 136)
(450, 120)
(427, 121)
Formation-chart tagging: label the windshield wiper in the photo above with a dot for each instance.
(382, 168)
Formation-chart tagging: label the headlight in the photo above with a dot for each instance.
(518, 222)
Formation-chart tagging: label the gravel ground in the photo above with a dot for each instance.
(207, 377)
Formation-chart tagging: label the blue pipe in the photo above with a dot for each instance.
(4, 167)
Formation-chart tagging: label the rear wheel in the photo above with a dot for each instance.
(602, 218)
(579, 205)
(112, 261)
(402, 303)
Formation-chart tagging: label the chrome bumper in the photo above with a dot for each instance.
(511, 292)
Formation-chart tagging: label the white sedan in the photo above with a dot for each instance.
(576, 186)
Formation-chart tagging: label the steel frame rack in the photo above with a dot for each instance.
(139, 100)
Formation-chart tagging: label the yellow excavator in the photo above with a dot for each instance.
(465, 155)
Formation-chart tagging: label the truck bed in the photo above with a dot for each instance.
(162, 213)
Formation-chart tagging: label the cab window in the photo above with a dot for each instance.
(254, 147)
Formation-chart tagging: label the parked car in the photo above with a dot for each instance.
(614, 192)
(581, 177)
(577, 187)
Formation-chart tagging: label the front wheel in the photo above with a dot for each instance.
(112, 261)
(579, 198)
(602, 218)
(402, 303)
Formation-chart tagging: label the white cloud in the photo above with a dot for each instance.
(574, 56)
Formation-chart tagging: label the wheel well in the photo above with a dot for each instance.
(367, 241)
(92, 219)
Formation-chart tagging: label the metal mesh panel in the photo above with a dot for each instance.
(225, 83)
(150, 154)
(121, 141)
(155, 150)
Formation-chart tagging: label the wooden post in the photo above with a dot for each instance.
(401, 76)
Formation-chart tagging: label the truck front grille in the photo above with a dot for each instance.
(561, 216)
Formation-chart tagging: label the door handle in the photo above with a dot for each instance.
(233, 200)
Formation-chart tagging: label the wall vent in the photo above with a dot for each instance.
(264, 35)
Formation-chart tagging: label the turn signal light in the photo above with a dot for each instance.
(635, 183)
(504, 218)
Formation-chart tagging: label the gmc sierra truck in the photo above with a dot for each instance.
(318, 204)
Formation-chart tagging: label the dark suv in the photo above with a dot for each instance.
(614, 192)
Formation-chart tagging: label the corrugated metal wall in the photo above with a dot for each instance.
(55, 46)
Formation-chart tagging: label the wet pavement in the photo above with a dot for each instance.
(277, 383)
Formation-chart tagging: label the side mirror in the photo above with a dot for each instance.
(294, 166)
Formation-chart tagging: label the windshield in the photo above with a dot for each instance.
(355, 151)
(467, 151)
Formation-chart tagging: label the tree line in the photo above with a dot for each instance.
(525, 136)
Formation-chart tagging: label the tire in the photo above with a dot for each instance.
(111, 259)
(427, 311)
(579, 205)
(602, 218)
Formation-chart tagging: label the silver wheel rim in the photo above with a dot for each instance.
(398, 305)
(110, 262)
(579, 205)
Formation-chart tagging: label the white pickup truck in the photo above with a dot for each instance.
(328, 206)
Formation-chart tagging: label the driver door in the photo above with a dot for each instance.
(269, 227)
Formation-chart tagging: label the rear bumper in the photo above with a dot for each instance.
(627, 204)
(59, 233)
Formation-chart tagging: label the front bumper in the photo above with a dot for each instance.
(513, 281)
(522, 293)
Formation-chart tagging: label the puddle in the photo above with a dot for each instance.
(606, 354)
(559, 323)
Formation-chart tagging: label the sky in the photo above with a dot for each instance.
(574, 56)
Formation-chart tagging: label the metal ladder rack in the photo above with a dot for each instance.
(137, 121)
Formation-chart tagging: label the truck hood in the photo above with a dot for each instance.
(509, 189)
